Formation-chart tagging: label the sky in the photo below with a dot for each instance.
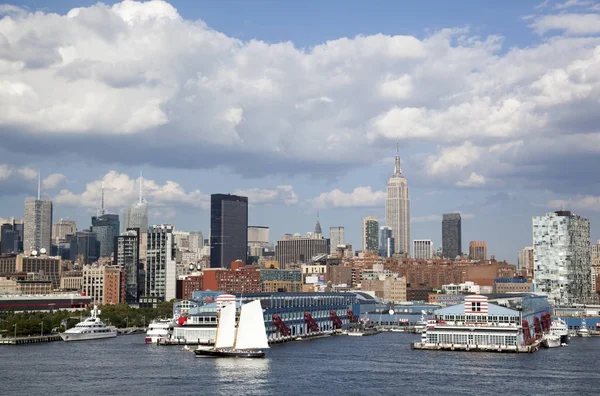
(299, 105)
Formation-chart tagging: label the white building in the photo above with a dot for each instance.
(37, 225)
(336, 236)
(196, 241)
(561, 254)
(161, 266)
(397, 209)
(423, 249)
(467, 287)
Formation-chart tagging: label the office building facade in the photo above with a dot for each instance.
(37, 225)
(451, 235)
(228, 230)
(478, 250)
(386, 242)
(298, 250)
(370, 234)
(106, 227)
(423, 249)
(161, 267)
(336, 237)
(127, 256)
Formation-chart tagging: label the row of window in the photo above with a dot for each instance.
(472, 339)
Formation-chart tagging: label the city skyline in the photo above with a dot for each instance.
(470, 152)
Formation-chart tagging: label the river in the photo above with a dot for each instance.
(382, 364)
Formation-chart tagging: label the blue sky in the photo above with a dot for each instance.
(493, 103)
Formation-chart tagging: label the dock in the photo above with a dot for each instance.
(534, 347)
(30, 340)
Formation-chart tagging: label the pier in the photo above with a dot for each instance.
(30, 340)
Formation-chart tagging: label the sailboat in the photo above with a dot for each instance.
(249, 339)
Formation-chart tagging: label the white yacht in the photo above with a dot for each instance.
(160, 329)
(551, 340)
(90, 329)
(559, 327)
(421, 325)
(583, 330)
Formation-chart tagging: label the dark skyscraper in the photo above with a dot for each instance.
(84, 247)
(451, 235)
(9, 238)
(127, 255)
(228, 229)
(106, 227)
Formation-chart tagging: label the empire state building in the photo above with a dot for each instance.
(397, 208)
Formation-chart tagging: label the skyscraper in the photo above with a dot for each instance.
(397, 208)
(37, 223)
(228, 229)
(84, 248)
(386, 242)
(478, 250)
(196, 241)
(370, 234)
(9, 239)
(562, 257)
(62, 228)
(336, 235)
(161, 267)
(106, 227)
(422, 249)
(127, 257)
(136, 216)
(451, 235)
(526, 260)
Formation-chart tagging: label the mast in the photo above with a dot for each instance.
(141, 182)
(39, 185)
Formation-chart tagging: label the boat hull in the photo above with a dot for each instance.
(551, 342)
(228, 353)
(86, 337)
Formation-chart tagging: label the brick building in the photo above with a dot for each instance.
(237, 279)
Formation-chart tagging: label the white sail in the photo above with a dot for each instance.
(226, 327)
(251, 332)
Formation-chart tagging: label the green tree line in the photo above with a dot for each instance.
(43, 322)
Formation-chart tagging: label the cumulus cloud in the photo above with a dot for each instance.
(359, 197)
(474, 180)
(261, 196)
(580, 202)
(53, 180)
(5, 172)
(120, 190)
(87, 82)
(571, 24)
(28, 173)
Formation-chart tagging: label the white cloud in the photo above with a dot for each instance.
(53, 180)
(28, 173)
(260, 196)
(474, 180)
(580, 202)
(360, 197)
(120, 190)
(572, 4)
(5, 172)
(88, 81)
(570, 24)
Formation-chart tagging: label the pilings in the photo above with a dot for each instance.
(29, 340)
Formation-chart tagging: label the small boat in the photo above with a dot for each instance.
(186, 348)
(91, 328)
(397, 330)
(551, 340)
(583, 330)
(421, 325)
(560, 328)
(248, 340)
(360, 331)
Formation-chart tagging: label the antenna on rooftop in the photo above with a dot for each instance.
(141, 182)
(39, 185)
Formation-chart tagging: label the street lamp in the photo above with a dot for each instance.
(15, 326)
(42, 330)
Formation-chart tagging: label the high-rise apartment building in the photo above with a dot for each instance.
(336, 236)
(451, 235)
(370, 234)
(37, 225)
(161, 266)
(61, 229)
(397, 208)
(127, 257)
(386, 242)
(228, 230)
(525, 262)
(596, 267)
(423, 249)
(478, 250)
(106, 227)
(562, 260)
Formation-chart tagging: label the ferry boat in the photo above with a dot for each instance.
(560, 328)
(91, 328)
(247, 340)
(583, 330)
(421, 325)
(160, 329)
(360, 331)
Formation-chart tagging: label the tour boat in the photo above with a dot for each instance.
(551, 340)
(159, 329)
(248, 340)
(560, 328)
(91, 328)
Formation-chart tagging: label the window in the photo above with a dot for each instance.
(475, 307)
